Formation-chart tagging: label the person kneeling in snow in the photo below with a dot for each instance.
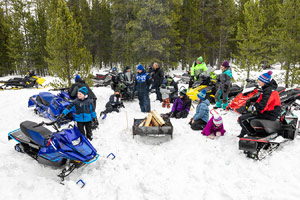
(214, 127)
(84, 112)
(113, 104)
(181, 106)
(200, 119)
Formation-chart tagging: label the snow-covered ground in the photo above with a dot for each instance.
(190, 166)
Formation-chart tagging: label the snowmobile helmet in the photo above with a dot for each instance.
(169, 79)
(200, 59)
(83, 90)
(183, 92)
(77, 77)
(140, 67)
(225, 64)
(266, 77)
(163, 86)
(218, 121)
(201, 95)
(114, 69)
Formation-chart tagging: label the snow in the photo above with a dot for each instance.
(190, 166)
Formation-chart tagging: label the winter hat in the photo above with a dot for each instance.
(218, 120)
(114, 69)
(266, 77)
(225, 64)
(77, 77)
(200, 59)
(183, 92)
(83, 90)
(127, 68)
(201, 95)
(140, 67)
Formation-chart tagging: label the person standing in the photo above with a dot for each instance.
(198, 67)
(221, 96)
(158, 77)
(143, 82)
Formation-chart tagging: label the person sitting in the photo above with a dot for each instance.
(79, 83)
(200, 119)
(214, 127)
(181, 106)
(84, 110)
(267, 106)
(113, 104)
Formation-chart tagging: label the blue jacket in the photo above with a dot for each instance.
(84, 110)
(202, 111)
(143, 81)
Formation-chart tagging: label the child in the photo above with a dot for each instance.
(165, 92)
(181, 106)
(84, 112)
(113, 104)
(200, 119)
(214, 127)
(221, 95)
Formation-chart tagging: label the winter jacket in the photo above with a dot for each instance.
(210, 128)
(202, 111)
(114, 101)
(182, 104)
(157, 76)
(225, 81)
(84, 110)
(268, 104)
(79, 84)
(143, 82)
(197, 69)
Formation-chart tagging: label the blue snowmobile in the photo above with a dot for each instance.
(51, 106)
(66, 147)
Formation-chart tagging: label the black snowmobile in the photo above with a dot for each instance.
(269, 135)
(126, 86)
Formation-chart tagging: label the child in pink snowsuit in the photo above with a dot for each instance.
(214, 127)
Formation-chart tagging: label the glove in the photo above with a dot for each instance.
(95, 123)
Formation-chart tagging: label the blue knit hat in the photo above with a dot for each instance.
(201, 95)
(266, 77)
(77, 77)
(83, 90)
(140, 67)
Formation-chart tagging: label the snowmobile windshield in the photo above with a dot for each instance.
(128, 77)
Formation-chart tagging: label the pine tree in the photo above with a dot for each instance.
(67, 55)
(5, 61)
(250, 37)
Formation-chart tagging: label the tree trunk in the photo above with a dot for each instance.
(287, 71)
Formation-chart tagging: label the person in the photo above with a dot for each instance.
(165, 93)
(214, 127)
(198, 67)
(84, 110)
(143, 82)
(113, 104)
(79, 83)
(181, 106)
(267, 104)
(158, 77)
(221, 96)
(200, 119)
(173, 87)
(114, 79)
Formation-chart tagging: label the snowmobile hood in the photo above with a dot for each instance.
(272, 84)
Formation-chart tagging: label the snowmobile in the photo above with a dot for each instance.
(102, 79)
(251, 90)
(66, 147)
(206, 82)
(126, 86)
(19, 83)
(51, 106)
(269, 135)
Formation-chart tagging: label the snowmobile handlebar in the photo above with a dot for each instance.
(45, 123)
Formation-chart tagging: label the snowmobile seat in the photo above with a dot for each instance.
(45, 98)
(268, 126)
(38, 135)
